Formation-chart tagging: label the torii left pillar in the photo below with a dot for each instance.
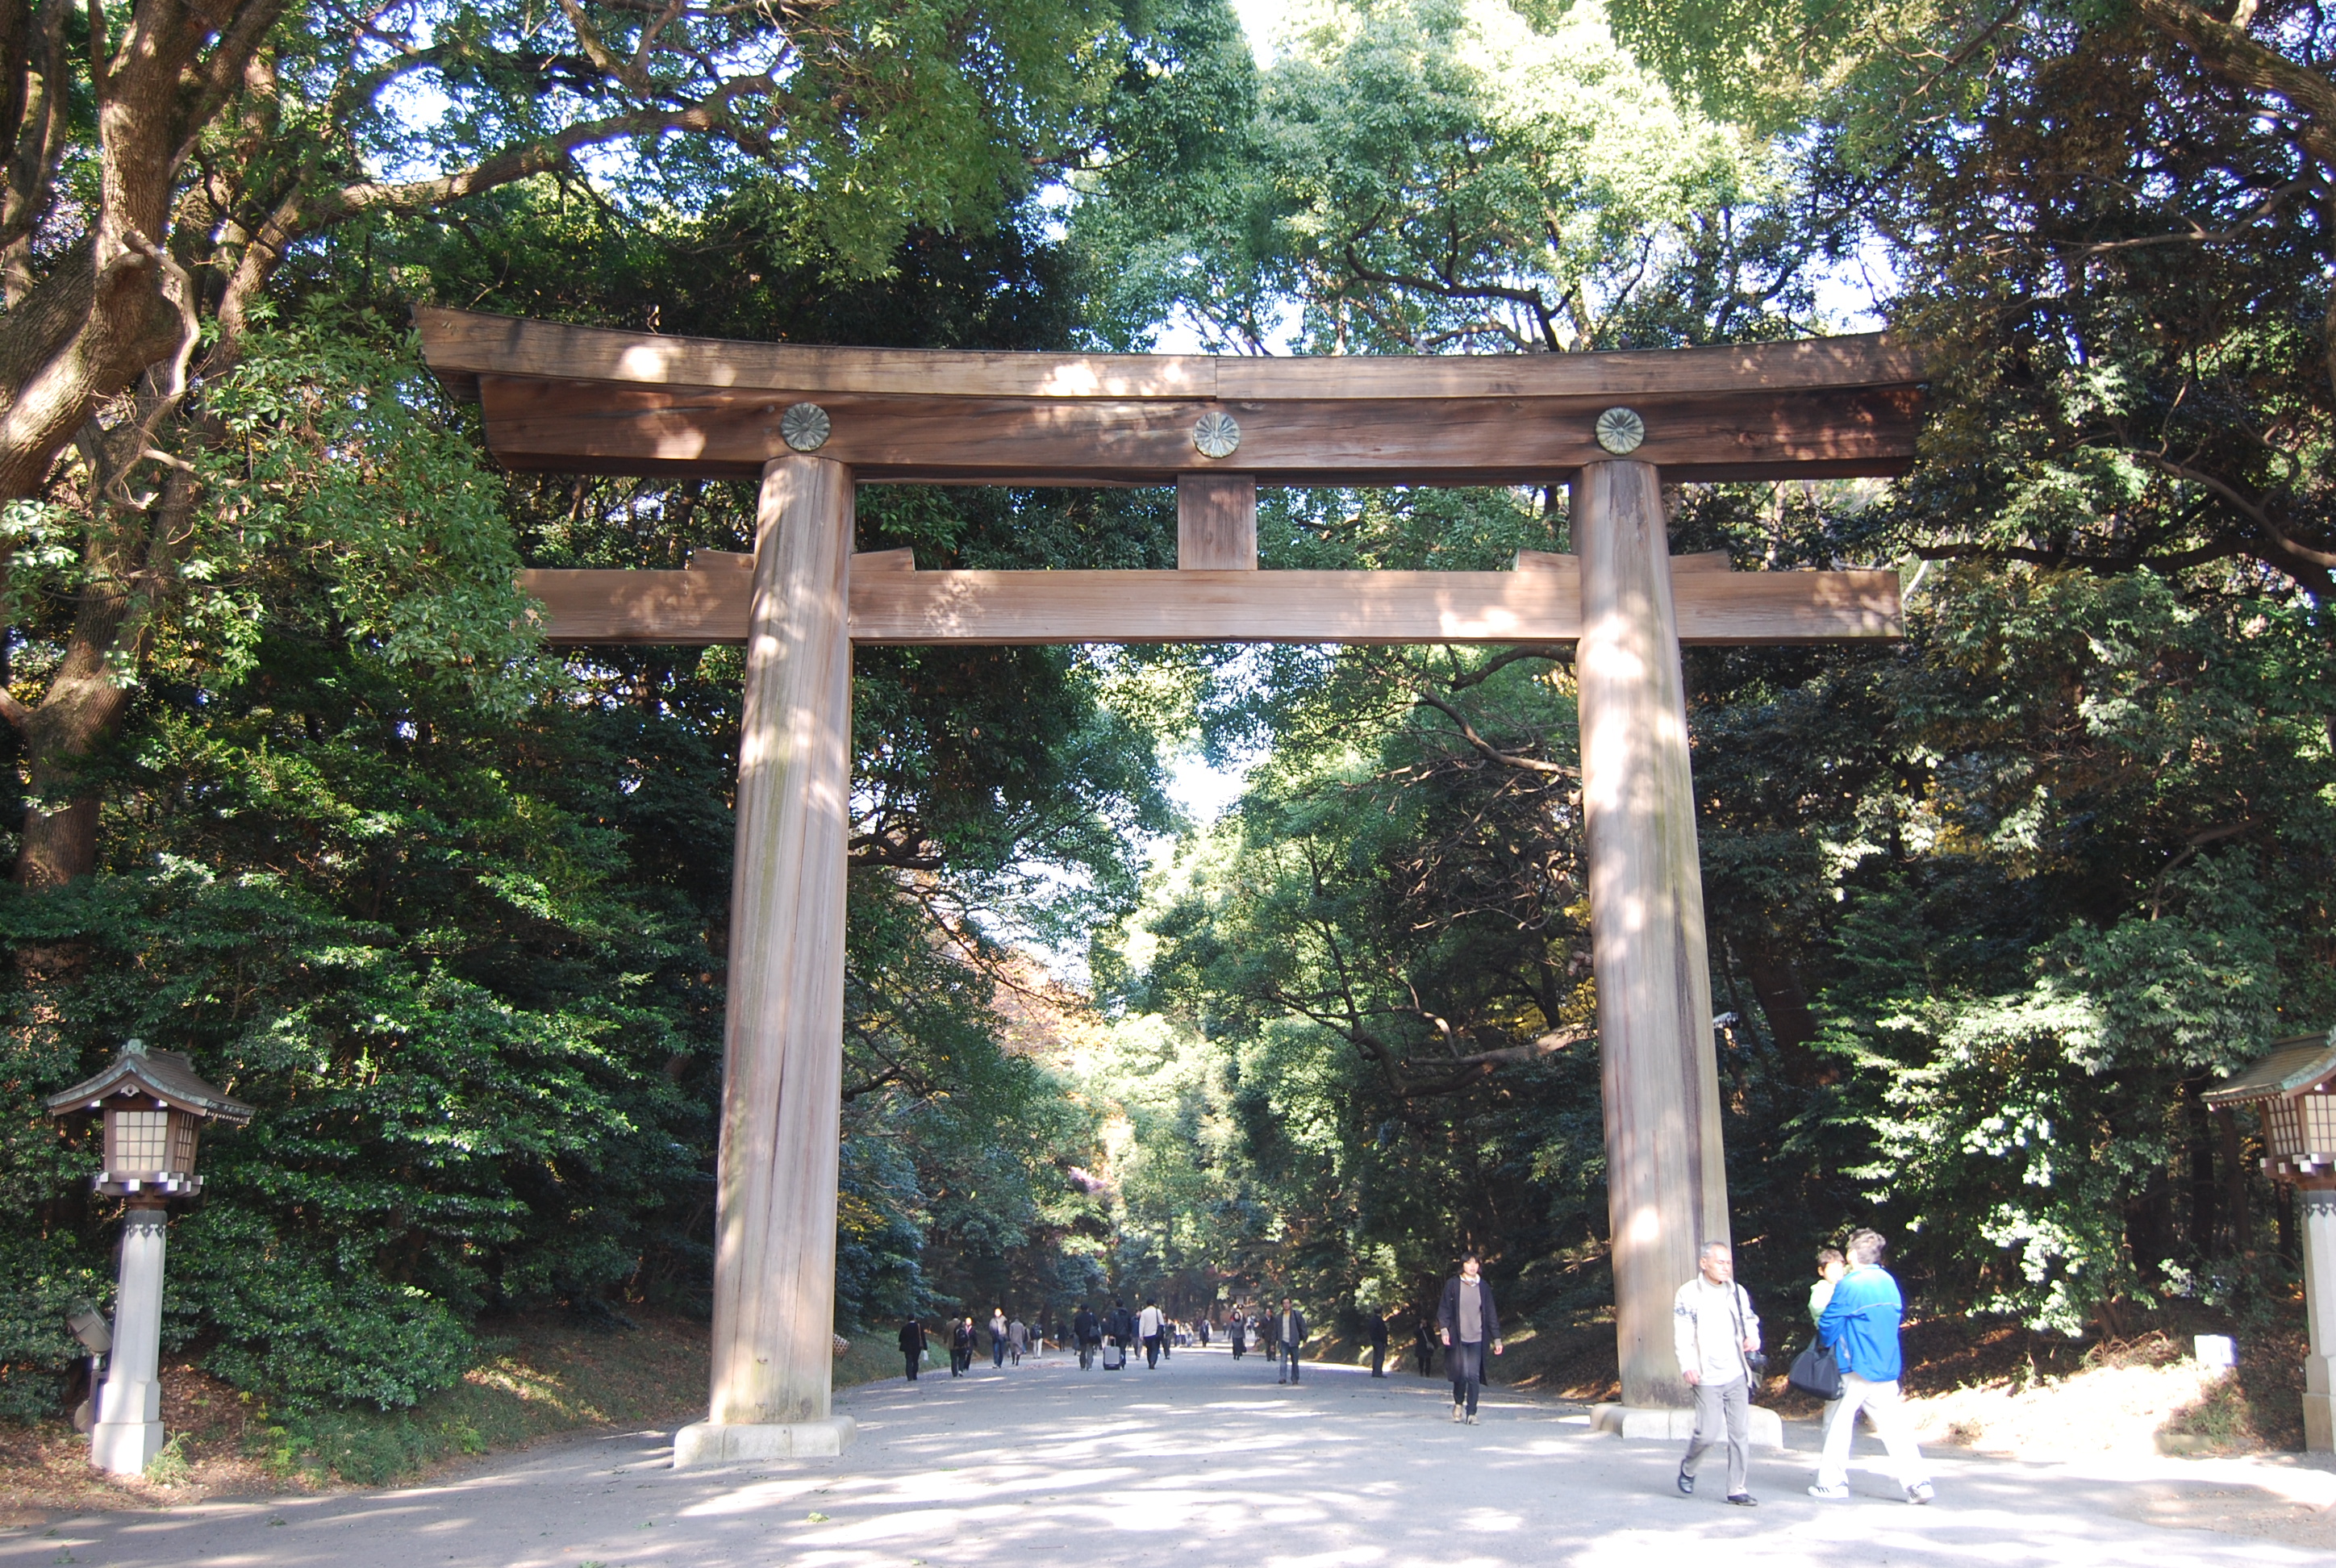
(1666, 1168)
(782, 1059)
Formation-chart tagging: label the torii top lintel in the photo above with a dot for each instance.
(592, 399)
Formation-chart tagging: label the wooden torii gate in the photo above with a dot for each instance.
(810, 422)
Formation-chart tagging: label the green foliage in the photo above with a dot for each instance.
(452, 914)
(309, 1327)
(1987, 911)
(46, 1284)
(1434, 176)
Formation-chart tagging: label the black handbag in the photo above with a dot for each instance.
(1815, 1371)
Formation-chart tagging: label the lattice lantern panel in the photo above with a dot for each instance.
(138, 1143)
(2319, 1115)
(2300, 1126)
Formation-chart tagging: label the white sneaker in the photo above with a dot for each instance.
(1458, 1415)
(1920, 1492)
(1830, 1494)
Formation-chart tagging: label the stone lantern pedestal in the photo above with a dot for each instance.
(2315, 1224)
(153, 1107)
(128, 1430)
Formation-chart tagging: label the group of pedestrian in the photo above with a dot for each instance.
(1010, 1340)
(1855, 1308)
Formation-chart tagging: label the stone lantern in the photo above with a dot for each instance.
(2294, 1087)
(153, 1107)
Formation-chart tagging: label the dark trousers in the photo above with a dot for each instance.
(1151, 1350)
(1378, 1361)
(1285, 1361)
(997, 1350)
(1240, 1344)
(1465, 1364)
(913, 1356)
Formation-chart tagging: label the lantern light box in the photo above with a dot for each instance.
(2292, 1087)
(153, 1107)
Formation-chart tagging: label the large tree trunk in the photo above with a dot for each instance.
(91, 692)
(1785, 1003)
(83, 708)
(2206, 1192)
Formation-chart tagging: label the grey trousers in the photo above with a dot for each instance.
(1715, 1403)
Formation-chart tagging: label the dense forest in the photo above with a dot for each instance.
(295, 789)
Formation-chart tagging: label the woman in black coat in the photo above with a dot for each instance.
(912, 1345)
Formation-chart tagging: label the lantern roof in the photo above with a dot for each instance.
(167, 1076)
(2295, 1065)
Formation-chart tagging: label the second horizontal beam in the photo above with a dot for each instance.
(889, 605)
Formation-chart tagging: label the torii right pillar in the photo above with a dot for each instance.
(1665, 1173)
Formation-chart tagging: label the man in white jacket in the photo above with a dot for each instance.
(1148, 1325)
(1714, 1331)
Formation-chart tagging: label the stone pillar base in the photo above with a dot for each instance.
(1669, 1424)
(702, 1445)
(2319, 1424)
(124, 1447)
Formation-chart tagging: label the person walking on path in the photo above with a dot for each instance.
(1087, 1330)
(1237, 1330)
(1860, 1323)
(998, 1337)
(1271, 1332)
(912, 1345)
(1018, 1339)
(1423, 1345)
(1151, 1328)
(961, 1348)
(1467, 1322)
(1375, 1329)
(1831, 1267)
(1116, 1327)
(1288, 1337)
(1716, 1333)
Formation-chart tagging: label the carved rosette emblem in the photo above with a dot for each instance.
(1620, 430)
(804, 426)
(1216, 434)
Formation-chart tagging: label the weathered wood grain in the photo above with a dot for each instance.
(782, 1059)
(1216, 521)
(1666, 1179)
(584, 427)
(891, 604)
(464, 346)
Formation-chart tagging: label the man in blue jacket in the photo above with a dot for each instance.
(1860, 1324)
